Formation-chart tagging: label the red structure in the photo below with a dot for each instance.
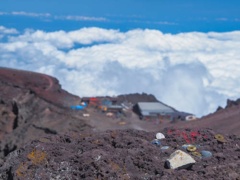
(91, 101)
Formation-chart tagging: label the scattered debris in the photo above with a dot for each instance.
(86, 115)
(206, 154)
(185, 146)
(122, 123)
(165, 147)
(98, 158)
(197, 154)
(122, 154)
(109, 114)
(179, 160)
(160, 136)
(156, 142)
(191, 148)
(220, 138)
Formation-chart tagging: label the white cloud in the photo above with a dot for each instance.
(50, 16)
(136, 20)
(81, 18)
(31, 14)
(4, 30)
(193, 72)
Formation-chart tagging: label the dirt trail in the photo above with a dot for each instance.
(50, 82)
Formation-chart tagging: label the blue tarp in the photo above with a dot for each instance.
(79, 107)
(106, 102)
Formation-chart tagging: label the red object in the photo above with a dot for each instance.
(189, 137)
(94, 101)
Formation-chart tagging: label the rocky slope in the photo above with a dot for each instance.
(225, 120)
(30, 107)
(42, 138)
(124, 154)
(33, 105)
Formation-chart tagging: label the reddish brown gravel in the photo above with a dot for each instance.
(122, 154)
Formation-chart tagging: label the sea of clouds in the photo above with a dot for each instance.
(193, 72)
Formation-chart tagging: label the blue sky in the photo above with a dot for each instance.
(185, 52)
(170, 16)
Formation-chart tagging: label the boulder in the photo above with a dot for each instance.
(179, 160)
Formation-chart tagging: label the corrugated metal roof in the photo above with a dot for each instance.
(115, 107)
(154, 107)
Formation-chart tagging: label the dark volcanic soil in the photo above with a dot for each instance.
(122, 154)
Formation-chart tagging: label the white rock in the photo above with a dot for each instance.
(160, 136)
(179, 159)
(190, 118)
(86, 115)
(109, 114)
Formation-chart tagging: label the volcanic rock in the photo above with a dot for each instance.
(33, 105)
(120, 154)
(231, 103)
(41, 137)
(179, 159)
(224, 120)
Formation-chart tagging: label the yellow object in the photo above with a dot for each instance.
(195, 153)
(191, 148)
(122, 123)
(37, 156)
(21, 170)
(103, 108)
(220, 138)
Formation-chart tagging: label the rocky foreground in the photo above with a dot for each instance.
(33, 105)
(124, 154)
(42, 138)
